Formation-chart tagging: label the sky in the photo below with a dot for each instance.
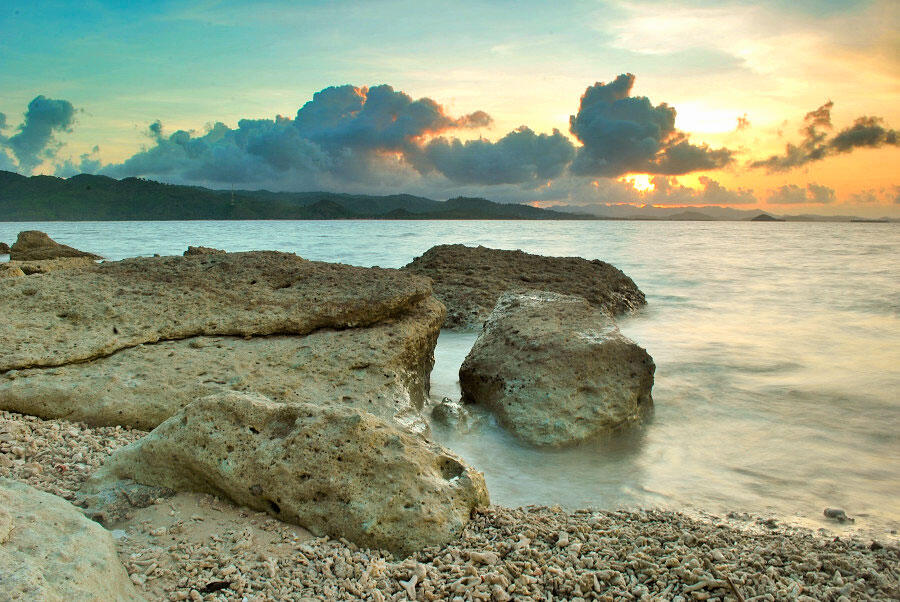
(787, 106)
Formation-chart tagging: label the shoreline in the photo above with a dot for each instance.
(196, 546)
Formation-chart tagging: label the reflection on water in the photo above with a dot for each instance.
(777, 349)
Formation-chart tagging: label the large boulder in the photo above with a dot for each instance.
(336, 471)
(99, 310)
(555, 370)
(136, 341)
(469, 280)
(383, 368)
(35, 245)
(4, 248)
(202, 251)
(50, 551)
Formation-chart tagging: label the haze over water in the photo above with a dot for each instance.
(777, 348)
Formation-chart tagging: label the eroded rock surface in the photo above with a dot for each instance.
(203, 251)
(76, 315)
(383, 369)
(36, 245)
(50, 551)
(555, 370)
(4, 248)
(334, 470)
(7, 271)
(470, 280)
(45, 266)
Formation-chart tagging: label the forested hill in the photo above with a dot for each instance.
(88, 197)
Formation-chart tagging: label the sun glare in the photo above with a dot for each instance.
(639, 181)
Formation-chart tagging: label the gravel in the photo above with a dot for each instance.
(195, 547)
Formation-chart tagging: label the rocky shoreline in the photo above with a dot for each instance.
(288, 455)
(199, 547)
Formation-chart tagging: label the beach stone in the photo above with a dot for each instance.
(50, 551)
(336, 471)
(382, 368)
(203, 251)
(8, 271)
(70, 316)
(36, 245)
(470, 280)
(555, 370)
(45, 266)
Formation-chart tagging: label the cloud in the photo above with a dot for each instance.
(792, 194)
(519, 157)
(87, 163)
(628, 134)
(35, 140)
(743, 122)
(348, 135)
(866, 132)
(667, 191)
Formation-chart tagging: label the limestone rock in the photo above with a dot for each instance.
(556, 370)
(334, 470)
(8, 271)
(469, 280)
(50, 551)
(383, 368)
(203, 251)
(4, 248)
(35, 245)
(45, 266)
(69, 316)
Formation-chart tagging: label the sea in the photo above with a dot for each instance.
(777, 347)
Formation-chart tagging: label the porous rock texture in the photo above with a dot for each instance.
(383, 368)
(555, 370)
(334, 470)
(50, 551)
(203, 251)
(71, 316)
(45, 266)
(36, 245)
(469, 280)
(7, 271)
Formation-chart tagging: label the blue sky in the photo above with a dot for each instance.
(125, 65)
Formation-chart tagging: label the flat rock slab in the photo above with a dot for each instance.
(469, 280)
(556, 371)
(36, 245)
(340, 472)
(50, 551)
(383, 369)
(76, 315)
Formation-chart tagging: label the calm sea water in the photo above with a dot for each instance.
(777, 348)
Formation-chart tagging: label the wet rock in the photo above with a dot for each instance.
(382, 368)
(50, 551)
(556, 370)
(450, 413)
(470, 280)
(36, 245)
(336, 471)
(96, 311)
(203, 251)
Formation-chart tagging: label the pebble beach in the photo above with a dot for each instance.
(198, 547)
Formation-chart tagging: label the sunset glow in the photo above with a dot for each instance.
(640, 182)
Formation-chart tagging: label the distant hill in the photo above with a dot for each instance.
(765, 217)
(88, 198)
(691, 216)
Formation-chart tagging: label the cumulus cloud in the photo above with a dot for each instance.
(667, 191)
(35, 141)
(86, 163)
(792, 194)
(351, 134)
(623, 133)
(520, 156)
(816, 143)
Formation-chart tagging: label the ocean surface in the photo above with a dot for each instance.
(777, 348)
